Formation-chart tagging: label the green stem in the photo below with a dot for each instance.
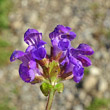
(50, 99)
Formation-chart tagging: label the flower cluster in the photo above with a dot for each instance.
(64, 61)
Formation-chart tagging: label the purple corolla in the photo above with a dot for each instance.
(29, 70)
(34, 39)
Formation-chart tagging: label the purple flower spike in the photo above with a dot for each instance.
(85, 49)
(64, 44)
(16, 55)
(64, 61)
(39, 53)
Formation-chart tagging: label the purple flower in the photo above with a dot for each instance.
(28, 69)
(77, 58)
(75, 66)
(37, 65)
(79, 52)
(74, 59)
(60, 39)
(34, 39)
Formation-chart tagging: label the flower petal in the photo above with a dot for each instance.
(78, 72)
(73, 52)
(85, 49)
(84, 60)
(62, 29)
(32, 64)
(17, 55)
(41, 43)
(69, 68)
(30, 31)
(59, 30)
(73, 60)
(55, 51)
(29, 49)
(55, 41)
(26, 74)
(32, 36)
(64, 44)
(53, 34)
(39, 53)
(71, 35)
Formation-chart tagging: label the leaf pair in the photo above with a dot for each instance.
(46, 88)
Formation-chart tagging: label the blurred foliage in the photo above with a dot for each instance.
(99, 104)
(15, 90)
(3, 43)
(86, 71)
(5, 7)
(108, 34)
(5, 105)
(5, 52)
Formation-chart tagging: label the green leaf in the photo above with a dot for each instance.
(45, 88)
(54, 68)
(59, 87)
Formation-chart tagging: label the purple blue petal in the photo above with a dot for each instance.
(16, 55)
(39, 53)
(26, 74)
(84, 60)
(85, 49)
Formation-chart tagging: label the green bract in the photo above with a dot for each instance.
(52, 83)
(45, 88)
(59, 87)
(54, 68)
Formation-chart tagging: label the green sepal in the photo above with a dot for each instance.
(53, 79)
(54, 68)
(45, 70)
(45, 88)
(59, 87)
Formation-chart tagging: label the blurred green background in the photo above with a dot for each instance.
(89, 19)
